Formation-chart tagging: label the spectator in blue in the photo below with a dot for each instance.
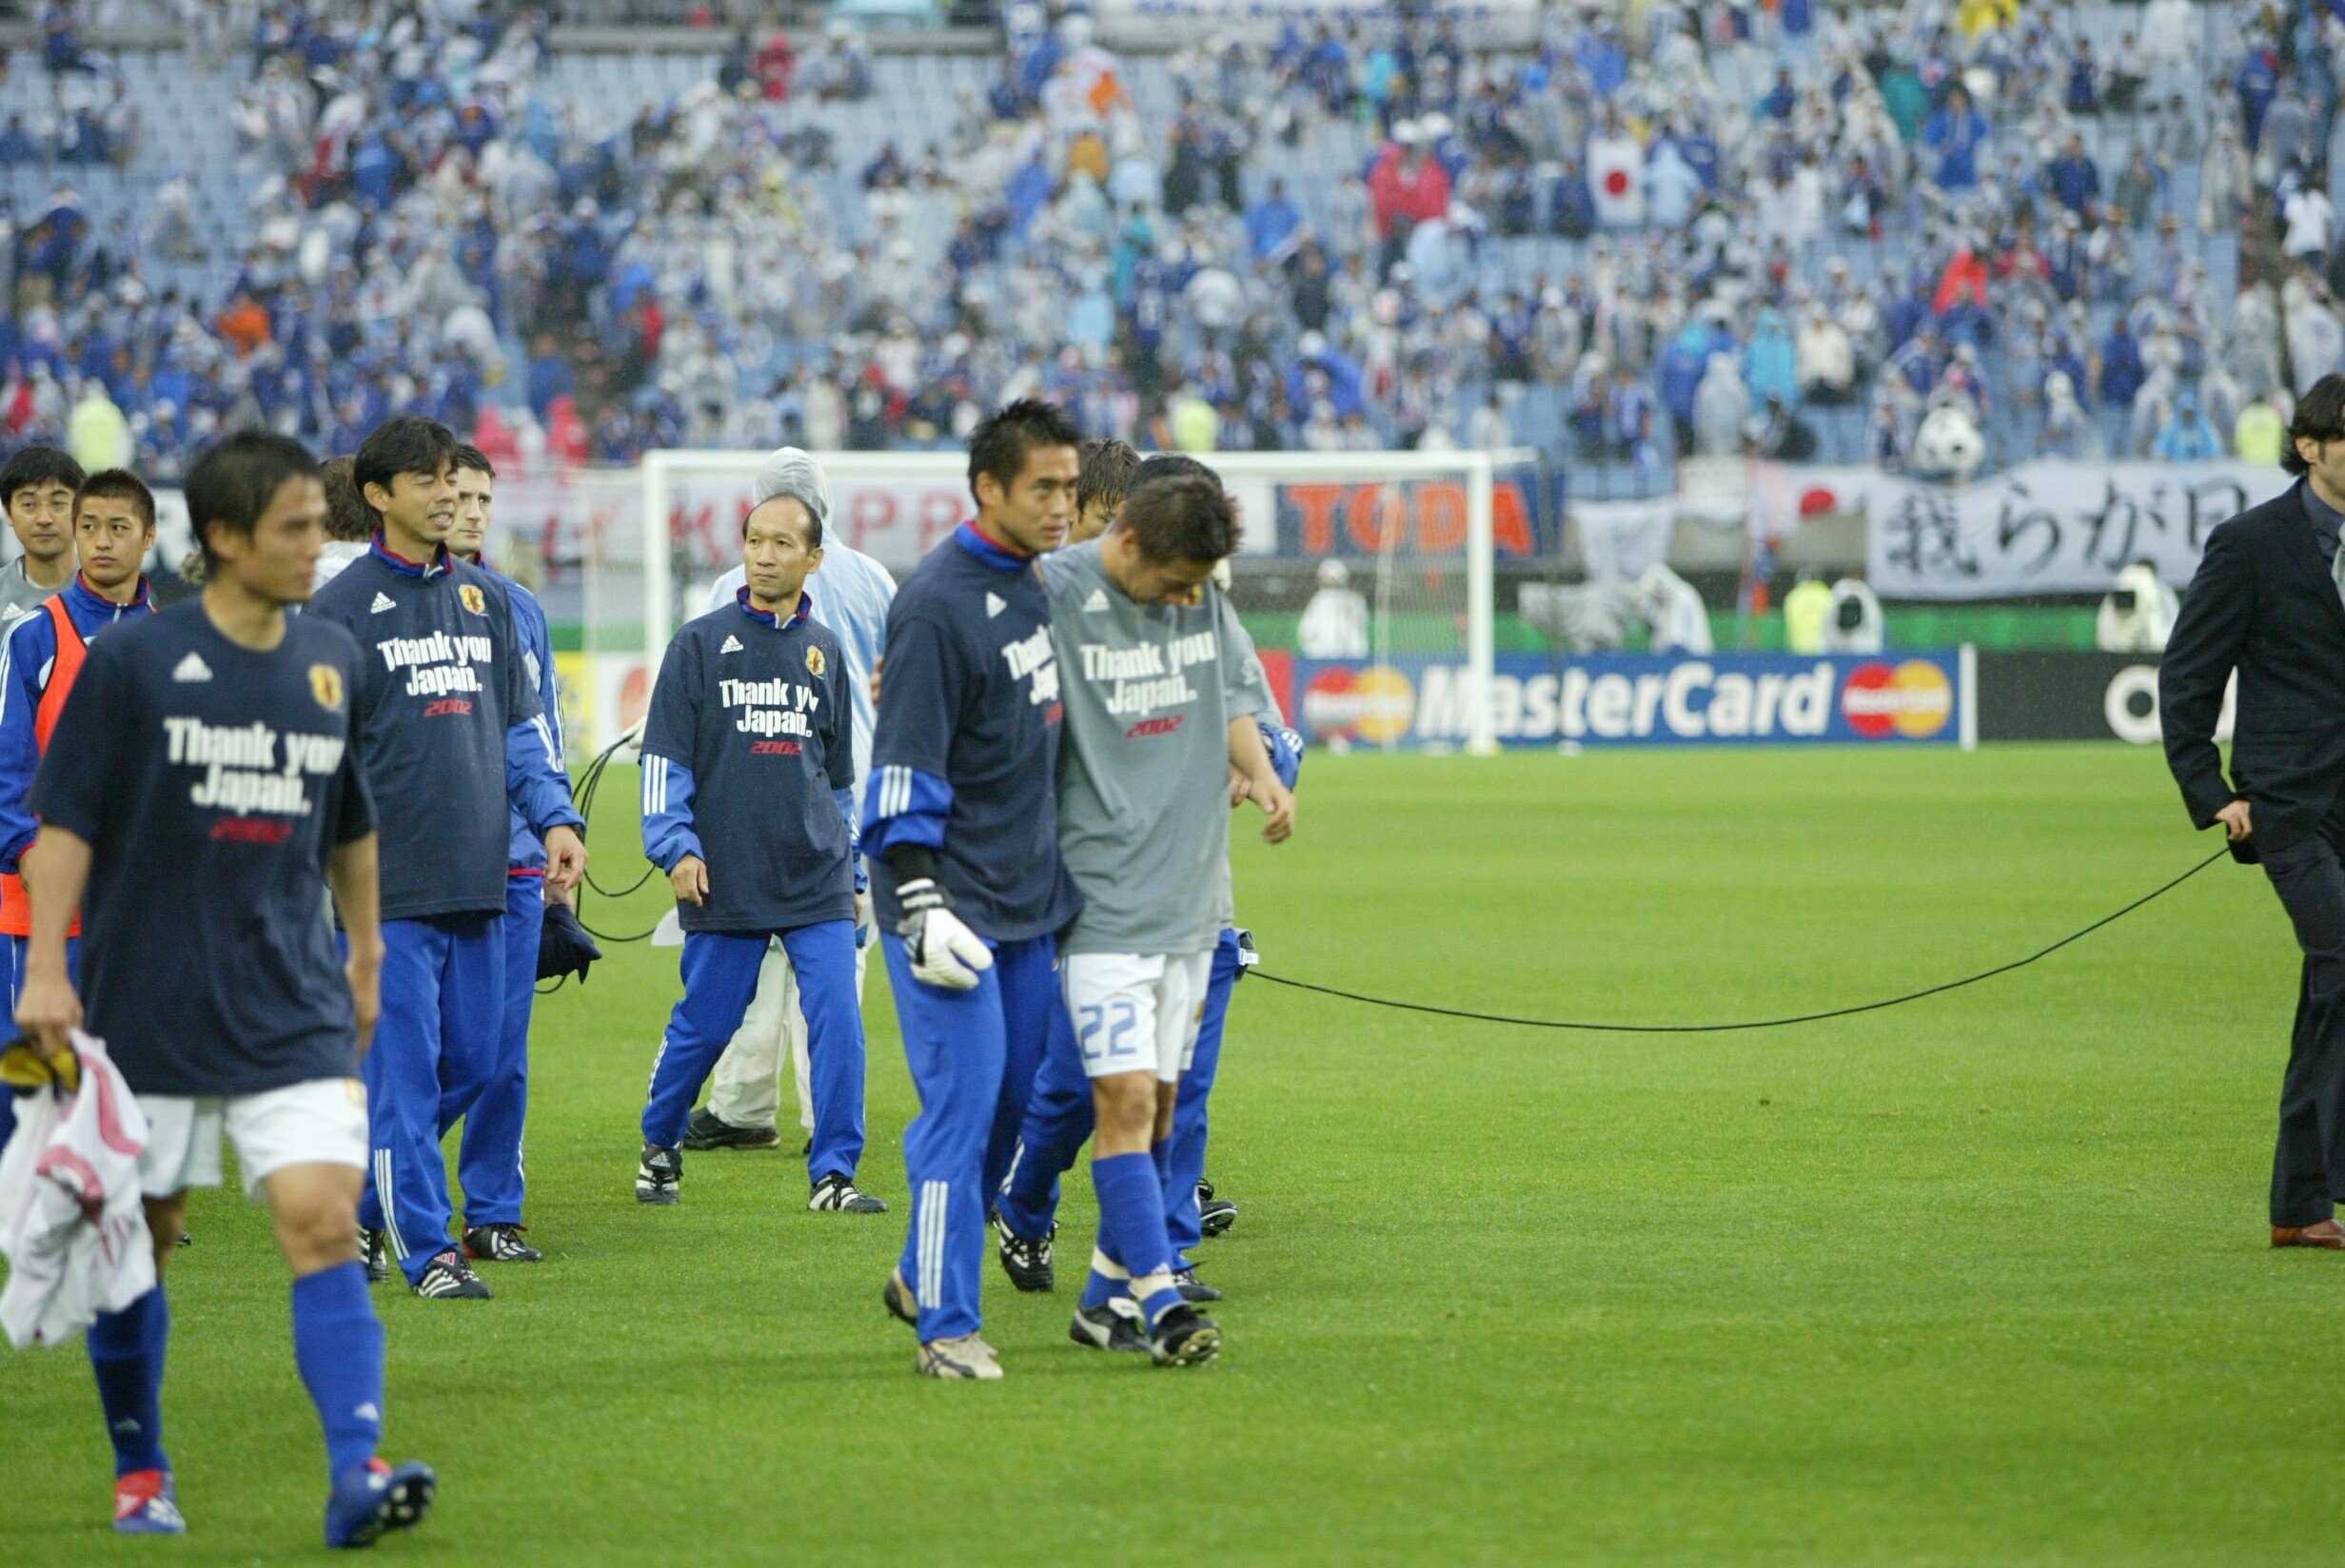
(2256, 81)
(1571, 209)
(2073, 179)
(1315, 360)
(1955, 134)
(2083, 94)
(15, 145)
(2187, 436)
(1271, 224)
(1682, 362)
(2121, 365)
(61, 37)
(1600, 56)
(1781, 98)
(2064, 360)
(1771, 363)
(550, 375)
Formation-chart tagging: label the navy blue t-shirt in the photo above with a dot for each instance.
(965, 748)
(446, 715)
(749, 763)
(213, 782)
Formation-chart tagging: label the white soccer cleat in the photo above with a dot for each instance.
(966, 1356)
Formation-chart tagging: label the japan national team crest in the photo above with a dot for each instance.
(813, 661)
(471, 597)
(325, 685)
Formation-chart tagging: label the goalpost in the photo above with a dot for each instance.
(1425, 522)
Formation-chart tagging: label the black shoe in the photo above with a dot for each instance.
(835, 1194)
(1104, 1328)
(1192, 1288)
(659, 1177)
(1028, 1264)
(1184, 1337)
(374, 1250)
(708, 1130)
(448, 1276)
(1215, 1216)
(499, 1243)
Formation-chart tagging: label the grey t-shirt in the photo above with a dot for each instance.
(1144, 762)
(19, 595)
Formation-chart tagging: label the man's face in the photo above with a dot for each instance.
(1147, 581)
(470, 535)
(773, 553)
(421, 506)
(1093, 519)
(280, 561)
(111, 539)
(1037, 510)
(42, 516)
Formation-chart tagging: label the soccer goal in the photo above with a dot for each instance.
(1415, 535)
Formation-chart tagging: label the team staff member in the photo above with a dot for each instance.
(2268, 602)
(450, 730)
(748, 806)
(850, 593)
(961, 817)
(203, 791)
(37, 486)
(113, 528)
(488, 1164)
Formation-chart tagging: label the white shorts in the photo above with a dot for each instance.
(319, 1123)
(1135, 1014)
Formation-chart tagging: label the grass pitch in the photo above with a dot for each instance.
(1979, 1281)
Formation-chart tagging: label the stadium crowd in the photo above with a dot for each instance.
(1779, 227)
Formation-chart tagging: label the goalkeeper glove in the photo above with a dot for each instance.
(944, 952)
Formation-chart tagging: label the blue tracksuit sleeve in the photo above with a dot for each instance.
(671, 736)
(907, 799)
(30, 645)
(668, 831)
(534, 777)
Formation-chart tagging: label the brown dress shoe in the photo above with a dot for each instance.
(2327, 1233)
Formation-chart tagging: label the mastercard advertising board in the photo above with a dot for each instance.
(1631, 699)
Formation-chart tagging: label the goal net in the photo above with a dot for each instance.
(1366, 577)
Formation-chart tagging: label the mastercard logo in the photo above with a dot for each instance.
(1374, 705)
(1913, 699)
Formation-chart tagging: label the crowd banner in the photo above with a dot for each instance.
(2051, 527)
(1632, 700)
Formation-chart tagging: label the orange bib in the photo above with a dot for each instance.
(15, 909)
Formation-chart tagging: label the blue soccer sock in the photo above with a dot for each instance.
(1109, 1279)
(125, 1352)
(338, 1342)
(1131, 1219)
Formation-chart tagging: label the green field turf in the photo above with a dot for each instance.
(1979, 1281)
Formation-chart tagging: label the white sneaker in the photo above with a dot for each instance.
(966, 1356)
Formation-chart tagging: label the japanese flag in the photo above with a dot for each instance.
(1616, 181)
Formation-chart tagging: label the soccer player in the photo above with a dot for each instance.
(201, 791)
(961, 819)
(114, 526)
(850, 593)
(1159, 709)
(450, 730)
(37, 486)
(748, 806)
(489, 1162)
(349, 525)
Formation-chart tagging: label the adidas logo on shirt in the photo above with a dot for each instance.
(732, 645)
(1098, 601)
(995, 604)
(191, 668)
(383, 602)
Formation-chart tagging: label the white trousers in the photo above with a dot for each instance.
(745, 1090)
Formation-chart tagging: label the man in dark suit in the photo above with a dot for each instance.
(2268, 604)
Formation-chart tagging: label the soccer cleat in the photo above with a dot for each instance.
(374, 1249)
(372, 1498)
(1113, 1326)
(659, 1178)
(1184, 1337)
(447, 1277)
(902, 1303)
(1192, 1288)
(966, 1356)
(835, 1194)
(1028, 1264)
(708, 1130)
(1215, 1216)
(499, 1243)
(147, 1503)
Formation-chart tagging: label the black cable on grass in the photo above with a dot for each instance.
(1756, 1023)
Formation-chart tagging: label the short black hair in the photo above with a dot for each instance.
(1160, 465)
(348, 519)
(1108, 466)
(117, 484)
(999, 445)
(408, 444)
(236, 479)
(814, 523)
(1181, 517)
(37, 465)
(470, 457)
(2320, 417)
